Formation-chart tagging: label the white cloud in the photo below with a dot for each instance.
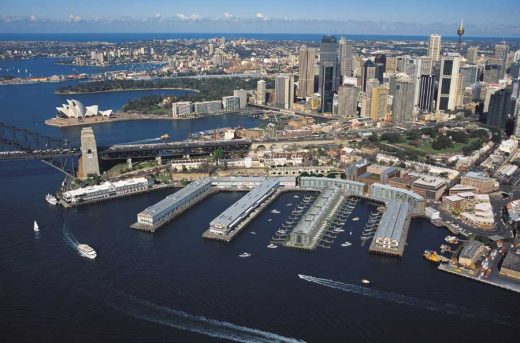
(193, 17)
(228, 15)
(158, 15)
(74, 18)
(32, 18)
(261, 16)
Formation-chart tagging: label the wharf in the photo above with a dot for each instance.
(502, 282)
(118, 196)
(230, 235)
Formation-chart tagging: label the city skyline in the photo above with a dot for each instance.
(409, 18)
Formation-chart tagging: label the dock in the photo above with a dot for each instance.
(504, 284)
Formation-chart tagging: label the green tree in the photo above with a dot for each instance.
(442, 142)
(217, 155)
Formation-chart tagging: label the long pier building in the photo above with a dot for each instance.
(158, 214)
(231, 221)
(308, 231)
(392, 231)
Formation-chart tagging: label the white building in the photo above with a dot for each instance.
(75, 109)
(181, 109)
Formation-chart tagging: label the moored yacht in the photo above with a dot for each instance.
(51, 199)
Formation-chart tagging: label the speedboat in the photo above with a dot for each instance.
(87, 251)
(269, 219)
(51, 199)
(365, 282)
(253, 233)
(272, 246)
(36, 228)
(244, 254)
(288, 205)
(355, 219)
(295, 196)
(275, 211)
(346, 244)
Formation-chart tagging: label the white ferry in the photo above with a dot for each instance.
(51, 199)
(87, 251)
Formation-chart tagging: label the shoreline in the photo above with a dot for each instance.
(127, 90)
(71, 122)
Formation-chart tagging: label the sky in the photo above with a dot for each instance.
(497, 18)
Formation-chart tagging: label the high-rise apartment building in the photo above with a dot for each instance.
(434, 47)
(348, 100)
(501, 52)
(284, 89)
(448, 92)
(260, 92)
(379, 103)
(402, 105)
(306, 72)
(472, 54)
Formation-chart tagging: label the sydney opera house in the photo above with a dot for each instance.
(75, 109)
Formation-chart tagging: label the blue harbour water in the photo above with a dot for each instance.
(173, 286)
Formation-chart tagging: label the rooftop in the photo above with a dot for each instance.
(393, 220)
(177, 196)
(470, 249)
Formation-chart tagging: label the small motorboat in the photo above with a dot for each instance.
(253, 233)
(350, 233)
(355, 219)
(272, 246)
(365, 282)
(275, 211)
(269, 219)
(244, 254)
(346, 244)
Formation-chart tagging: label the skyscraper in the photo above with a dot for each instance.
(472, 54)
(284, 88)
(402, 105)
(306, 71)
(469, 74)
(345, 57)
(379, 103)
(348, 100)
(500, 107)
(448, 83)
(501, 51)
(369, 72)
(327, 77)
(329, 72)
(426, 92)
(434, 47)
(260, 92)
(492, 70)
(380, 61)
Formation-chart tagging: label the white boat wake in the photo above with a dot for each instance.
(143, 309)
(69, 238)
(406, 300)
